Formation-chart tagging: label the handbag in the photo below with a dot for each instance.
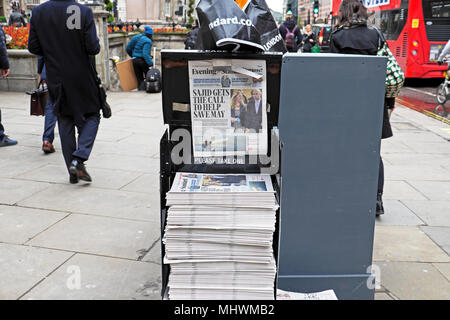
(38, 100)
(315, 49)
(395, 78)
(104, 105)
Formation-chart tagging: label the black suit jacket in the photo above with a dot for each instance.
(253, 119)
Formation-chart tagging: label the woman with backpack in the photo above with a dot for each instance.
(352, 36)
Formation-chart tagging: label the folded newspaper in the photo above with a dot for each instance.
(323, 295)
(219, 236)
(228, 107)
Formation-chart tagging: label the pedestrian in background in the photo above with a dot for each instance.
(4, 71)
(309, 39)
(290, 33)
(67, 48)
(140, 48)
(352, 36)
(191, 37)
(50, 117)
(17, 19)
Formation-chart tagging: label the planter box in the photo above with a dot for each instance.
(23, 76)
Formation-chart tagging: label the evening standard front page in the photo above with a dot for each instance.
(228, 107)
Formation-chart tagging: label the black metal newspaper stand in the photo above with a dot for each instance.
(176, 113)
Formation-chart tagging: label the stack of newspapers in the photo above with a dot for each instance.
(218, 237)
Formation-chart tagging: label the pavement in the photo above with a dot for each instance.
(101, 241)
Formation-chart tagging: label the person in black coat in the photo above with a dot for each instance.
(4, 71)
(352, 36)
(63, 32)
(191, 37)
(309, 39)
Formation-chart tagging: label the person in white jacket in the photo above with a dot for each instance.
(444, 52)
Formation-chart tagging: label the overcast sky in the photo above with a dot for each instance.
(276, 5)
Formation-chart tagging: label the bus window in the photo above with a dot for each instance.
(390, 22)
(436, 9)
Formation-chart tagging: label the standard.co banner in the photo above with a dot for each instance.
(228, 107)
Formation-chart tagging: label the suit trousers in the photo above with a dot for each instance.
(87, 131)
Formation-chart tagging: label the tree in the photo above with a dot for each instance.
(190, 11)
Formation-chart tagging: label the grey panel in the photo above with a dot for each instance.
(330, 125)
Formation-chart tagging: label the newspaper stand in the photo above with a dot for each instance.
(176, 113)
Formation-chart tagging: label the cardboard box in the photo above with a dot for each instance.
(126, 75)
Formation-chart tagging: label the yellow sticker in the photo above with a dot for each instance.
(415, 23)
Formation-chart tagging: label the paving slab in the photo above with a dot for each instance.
(393, 146)
(433, 190)
(22, 267)
(85, 198)
(121, 162)
(414, 281)
(382, 296)
(18, 225)
(400, 190)
(434, 213)
(440, 235)
(14, 190)
(103, 177)
(154, 255)
(418, 136)
(147, 183)
(423, 172)
(417, 159)
(444, 268)
(405, 243)
(397, 214)
(101, 278)
(429, 147)
(100, 236)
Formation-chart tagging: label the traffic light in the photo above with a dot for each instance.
(316, 7)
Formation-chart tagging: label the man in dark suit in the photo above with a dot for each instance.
(4, 71)
(253, 116)
(63, 32)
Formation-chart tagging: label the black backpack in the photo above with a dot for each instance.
(153, 81)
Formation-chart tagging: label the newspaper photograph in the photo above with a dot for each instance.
(198, 182)
(228, 107)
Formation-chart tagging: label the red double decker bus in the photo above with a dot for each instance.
(416, 32)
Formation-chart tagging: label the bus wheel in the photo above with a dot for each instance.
(440, 110)
(441, 93)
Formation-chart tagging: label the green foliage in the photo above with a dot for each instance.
(2, 19)
(110, 6)
(190, 11)
(110, 18)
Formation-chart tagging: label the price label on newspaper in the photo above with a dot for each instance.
(228, 107)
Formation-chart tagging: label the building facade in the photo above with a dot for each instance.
(305, 11)
(154, 11)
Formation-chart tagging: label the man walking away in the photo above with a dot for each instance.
(63, 32)
(290, 32)
(140, 48)
(4, 71)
